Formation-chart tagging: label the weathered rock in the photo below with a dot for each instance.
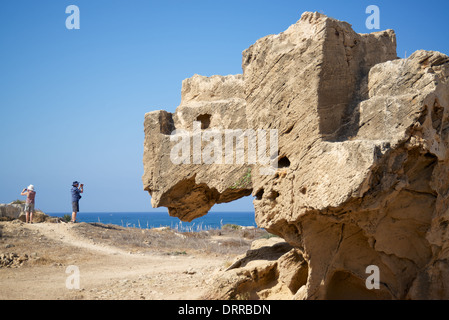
(190, 190)
(11, 210)
(362, 176)
(38, 217)
(272, 268)
(17, 211)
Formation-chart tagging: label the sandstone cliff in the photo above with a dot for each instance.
(360, 173)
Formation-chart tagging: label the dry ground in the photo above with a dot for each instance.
(113, 262)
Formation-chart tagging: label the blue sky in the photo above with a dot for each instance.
(72, 102)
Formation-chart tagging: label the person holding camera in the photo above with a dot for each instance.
(29, 203)
(76, 196)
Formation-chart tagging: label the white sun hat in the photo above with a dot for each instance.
(31, 187)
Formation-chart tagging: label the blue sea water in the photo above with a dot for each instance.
(213, 220)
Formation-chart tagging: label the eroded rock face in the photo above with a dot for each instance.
(11, 210)
(190, 189)
(362, 175)
(271, 269)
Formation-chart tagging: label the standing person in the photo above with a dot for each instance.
(29, 204)
(76, 196)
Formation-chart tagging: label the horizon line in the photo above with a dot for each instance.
(144, 212)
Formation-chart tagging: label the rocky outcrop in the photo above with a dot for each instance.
(15, 210)
(11, 211)
(360, 174)
(270, 269)
(189, 189)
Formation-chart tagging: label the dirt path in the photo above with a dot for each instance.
(105, 271)
(63, 232)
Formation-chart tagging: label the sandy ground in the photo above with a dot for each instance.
(113, 262)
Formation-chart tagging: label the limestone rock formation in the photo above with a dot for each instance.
(16, 210)
(10, 211)
(190, 190)
(360, 176)
(270, 269)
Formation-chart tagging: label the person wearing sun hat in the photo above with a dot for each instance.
(29, 203)
(76, 196)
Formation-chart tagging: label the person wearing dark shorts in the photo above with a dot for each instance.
(76, 196)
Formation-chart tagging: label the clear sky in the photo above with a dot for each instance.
(72, 102)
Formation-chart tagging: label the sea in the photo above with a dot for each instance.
(150, 220)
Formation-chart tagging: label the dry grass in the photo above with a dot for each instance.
(229, 241)
(168, 241)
